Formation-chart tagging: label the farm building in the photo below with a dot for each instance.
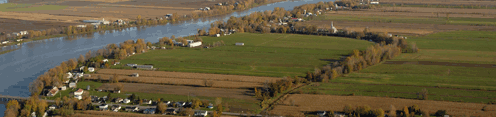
(143, 66)
(131, 65)
(118, 100)
(79, 97)
(63, 88)
(146, 101)
(135, 75)
(240, 44)
(195, 44)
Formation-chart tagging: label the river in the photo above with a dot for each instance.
(21, 66)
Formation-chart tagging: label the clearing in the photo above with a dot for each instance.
(295, 104)
(272, 55)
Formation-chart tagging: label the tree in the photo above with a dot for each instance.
(114, 79)
(348, 109)
(149, 44)
(57, 101)
(392, 111)
(132, 96)
(42, 105)
(196, 103)
(379, 112)
(109, 96)
(12, 108)
(218, 101)
(405, 113)
(161, 107)
(219, 109)
(81, 58)
(330, 114)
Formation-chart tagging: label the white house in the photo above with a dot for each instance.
(5, 42)
(116, 108)
(91, 69)
(79, 92)
(118, 100)
(201, 113)
(374, 2)
(145, 101)
(240, 44)
(217, 35)
(69, 74)
(103, 106)
(105, 60)
(63, 88)
(195, 44)
(132, 108)
(72, 85)
(23, 32)
(125, 101)
(79, 97)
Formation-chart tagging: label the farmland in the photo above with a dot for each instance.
(301, 103)
(272, 55)
(459, 68)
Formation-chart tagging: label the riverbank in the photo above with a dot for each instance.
(139, 22)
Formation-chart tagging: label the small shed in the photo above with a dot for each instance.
(72, 85)
(91, 69)
(240, 44)
(135, 75)
(217, 35)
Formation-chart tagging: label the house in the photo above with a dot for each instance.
(131, 65)
(132, 109)
(180, 104)
(33, 114)
(103, 106)
(167, 102)
(63, 88)
(207, 8)
(171, 111)
(145, 101)
(79, 97)
(52, 107)
(105, 60)
(72, 85)
(79, 92)
(220, 4)
(200, 113)
(321, 113)
(135, 75)
(91, 69)
(81, 68)
(53, 91)
(116, 63)
(117, 100)
(374, 2)
(81, 26)
(125, 101)
(69, 75)
(116, 91)
(143, 66)
(19, 40)
(240, 44)
(116, 108)
(66, 81)
(5, 42)
(217, 35)
(149, 111)
(194, 44)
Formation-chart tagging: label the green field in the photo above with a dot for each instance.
(419, 20)
(273, 55)
(28, 7)
(451, 83)
(247, 104)
(443, 6)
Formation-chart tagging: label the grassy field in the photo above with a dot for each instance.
(28, 7)
(273, 55)
(450, 83)
(420, 20)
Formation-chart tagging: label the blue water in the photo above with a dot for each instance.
(20, 67)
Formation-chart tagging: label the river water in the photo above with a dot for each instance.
(20, 67)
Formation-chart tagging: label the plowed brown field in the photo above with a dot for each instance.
(179, 78)
(244, 94)
(309, 102)
(183, 75)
